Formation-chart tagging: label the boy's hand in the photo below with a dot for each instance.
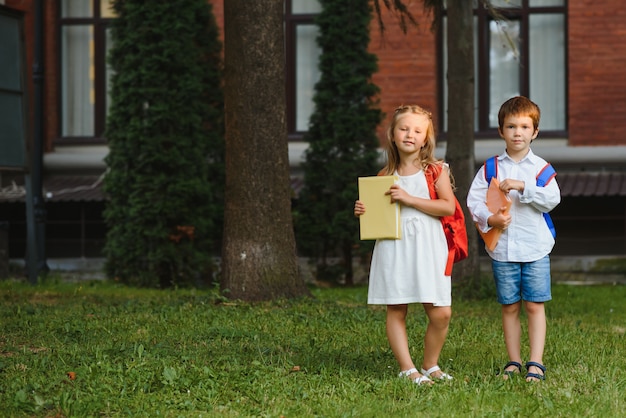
(359, 208)
(500, 219)
(507, 185)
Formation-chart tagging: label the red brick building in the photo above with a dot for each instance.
(567, 55)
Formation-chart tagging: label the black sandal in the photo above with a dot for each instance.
(535, 375)
(510, 373)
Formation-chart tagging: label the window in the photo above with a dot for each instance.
(522, 54)
(85, 40)
(302, 55)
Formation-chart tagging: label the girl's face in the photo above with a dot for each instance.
(518, 132)
(410, 131)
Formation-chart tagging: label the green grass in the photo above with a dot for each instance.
(188, 353)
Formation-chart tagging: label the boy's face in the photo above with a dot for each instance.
(518, 132)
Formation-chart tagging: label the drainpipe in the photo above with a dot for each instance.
(37, 249)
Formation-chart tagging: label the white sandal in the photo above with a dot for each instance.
(417, 380)
(442, 376)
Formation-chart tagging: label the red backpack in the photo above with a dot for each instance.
(453, 225)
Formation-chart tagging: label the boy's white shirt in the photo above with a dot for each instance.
(527, 238)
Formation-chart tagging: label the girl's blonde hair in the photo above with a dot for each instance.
(427, 152)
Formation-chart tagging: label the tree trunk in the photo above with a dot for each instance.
(259, 259)
(460, 147)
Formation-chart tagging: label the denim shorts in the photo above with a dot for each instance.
(527, 281)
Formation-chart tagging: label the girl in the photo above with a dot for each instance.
(411, 270)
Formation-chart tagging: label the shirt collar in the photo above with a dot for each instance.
(530, 156)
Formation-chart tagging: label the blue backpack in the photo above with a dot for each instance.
(544, 177)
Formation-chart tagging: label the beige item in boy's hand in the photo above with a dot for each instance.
(381, 219)
(496, 200)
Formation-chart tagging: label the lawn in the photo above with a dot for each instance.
(102, 349)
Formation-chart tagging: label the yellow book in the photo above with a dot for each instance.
(381, 219)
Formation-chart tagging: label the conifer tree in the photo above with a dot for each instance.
(343, 144)
(165, 132)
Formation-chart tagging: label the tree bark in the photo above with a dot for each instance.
(259, 259)
(460, 146)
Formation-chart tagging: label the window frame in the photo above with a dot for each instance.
(482, 18)
(100, 26)
(292, 21)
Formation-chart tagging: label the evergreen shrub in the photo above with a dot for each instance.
(342, 139)
(165, 132)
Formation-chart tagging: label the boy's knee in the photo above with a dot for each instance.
(534, 308)
(513, 308)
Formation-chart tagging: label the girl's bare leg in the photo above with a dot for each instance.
(436, 332)
(397, 336)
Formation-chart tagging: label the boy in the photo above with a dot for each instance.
(520, 260)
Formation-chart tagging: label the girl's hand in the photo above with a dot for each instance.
(398, 195)
(359, 208)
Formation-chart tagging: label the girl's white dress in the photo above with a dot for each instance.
(412, 269)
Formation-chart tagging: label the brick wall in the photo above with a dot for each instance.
(407, 67)
(407, 62)
(597, 72)
(408, 70)
(218, 12)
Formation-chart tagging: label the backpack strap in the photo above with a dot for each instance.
(432, 173)
(491, 168)
(544, 177)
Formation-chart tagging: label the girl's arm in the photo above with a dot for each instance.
(442, 206)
